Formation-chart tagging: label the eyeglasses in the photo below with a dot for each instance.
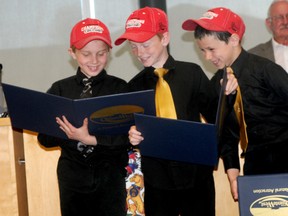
(279, 18)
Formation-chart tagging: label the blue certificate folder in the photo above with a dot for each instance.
(178, 140)
(186, 141)
(108, 115)
(263, 195)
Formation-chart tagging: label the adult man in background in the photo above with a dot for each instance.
(276, 49)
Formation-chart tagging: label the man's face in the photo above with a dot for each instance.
(218, 52)
(92, 58)
(152, 52)
(278, 21)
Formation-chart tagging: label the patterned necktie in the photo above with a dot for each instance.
(86, 150)
(163, 97)
(87, 90)
(239, 111)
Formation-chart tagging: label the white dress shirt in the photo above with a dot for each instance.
(280, 54)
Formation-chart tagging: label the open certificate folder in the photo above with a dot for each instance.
(108, 115)
(263, 194)
(179, 140)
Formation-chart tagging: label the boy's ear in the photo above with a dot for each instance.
(71, 53)
(235, 39)
(165, 38)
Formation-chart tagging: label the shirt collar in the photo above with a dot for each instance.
(239, 63)
(169, 64)
(275, 44)
(96, 79)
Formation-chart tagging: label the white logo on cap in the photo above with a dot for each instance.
(134, 23)
(92, 28)
(209, 15)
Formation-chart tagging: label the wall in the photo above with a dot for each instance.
(35, 35)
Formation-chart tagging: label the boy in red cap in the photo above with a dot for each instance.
(172, 188)
(91, 169)
(264, 92)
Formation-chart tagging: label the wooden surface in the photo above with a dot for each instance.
(19, 164)
(42, 185)
(8, 192)
(225, 205)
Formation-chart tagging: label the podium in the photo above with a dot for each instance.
(28, 174)
(13, 196)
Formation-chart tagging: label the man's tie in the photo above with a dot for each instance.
(163, 97)
(87, 90)
(239, 111)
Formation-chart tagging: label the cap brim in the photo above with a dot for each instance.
(80, 44)
(138, 37)
(190, 25)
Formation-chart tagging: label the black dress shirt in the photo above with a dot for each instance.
(192, 95)
(264, 88)
(72, 165)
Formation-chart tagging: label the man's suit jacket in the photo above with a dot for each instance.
(265, 50)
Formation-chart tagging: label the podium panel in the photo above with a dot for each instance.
(8, 193)
(42, 185)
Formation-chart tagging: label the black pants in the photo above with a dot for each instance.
(185, 202)
(107, 196)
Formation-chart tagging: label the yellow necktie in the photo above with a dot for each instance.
(163, 97)
(239, 111)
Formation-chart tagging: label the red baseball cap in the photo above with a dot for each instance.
(88, 30)
(218, 19)
(143, 24)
